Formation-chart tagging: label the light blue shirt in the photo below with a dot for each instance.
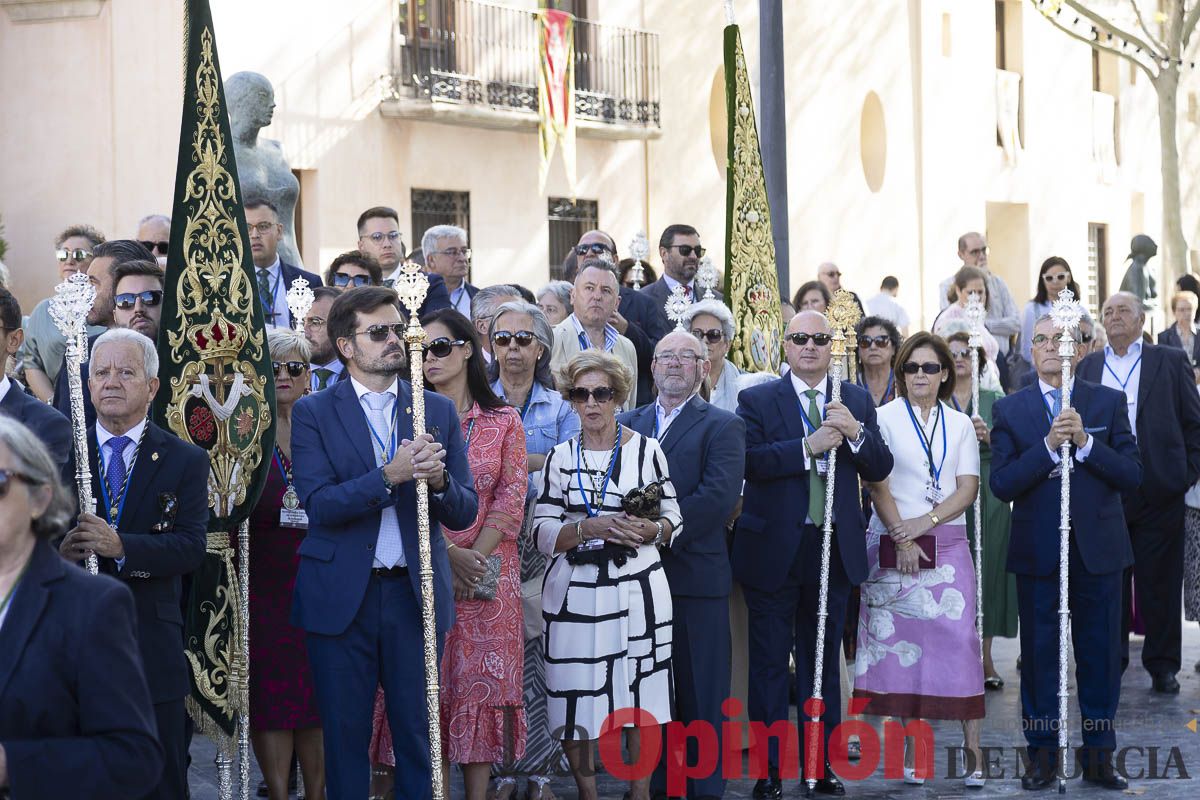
(282, 314)
(1126, 368)
(549, 420)
(585, 341)
(460, 300)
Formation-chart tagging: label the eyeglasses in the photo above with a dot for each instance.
(441, 347)
(294, 368)
(867, 342)
(801, 339)
(677, 358)
(686, 250)
(379, 333)
(392, 236)
(1040, 339)
(314, 322)
(454, 252)
(929, 368)
(601, 394)
(156, 247)
(78, 254)
(522, 338)
(595, 248)
(127, 300)
(7, 476)
(958, 353)
(712, 335)
(342, 279)
(1060, 276)
(262, 228)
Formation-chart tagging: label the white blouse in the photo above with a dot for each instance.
(910, 475)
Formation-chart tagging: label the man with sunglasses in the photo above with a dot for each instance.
(680, 251)
(47, 423)
(830, 275)
(326, 368)
(705, 449)
(357, 591)
(154, 234)
(42, 351)
(273, 277)
(379, 237)
(446, 254)
(138, 296)
(791, 424)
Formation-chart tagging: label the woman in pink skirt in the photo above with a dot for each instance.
(918, 649)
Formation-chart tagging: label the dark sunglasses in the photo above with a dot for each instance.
(524, 338)
(78, 254)
(801, 339)
(601, 394)
(294, 368)
(712, 335)
(342, 279)
(867, 342)
(929, 368)
(595, 248)
(442, 346)
(960, 353)
(379, 333)
(1085, 338)
(127, 300)
(156, 247)
(686, 250)
(7, 476)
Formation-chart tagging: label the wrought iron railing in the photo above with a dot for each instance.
(484, 54)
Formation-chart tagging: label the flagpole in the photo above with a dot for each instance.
(975, 314)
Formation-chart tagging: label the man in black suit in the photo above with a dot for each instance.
(273, 277)
(49, 425)
(1164, 412)
(379, 237)
(149, 528)
(706, 451)
(446, 254)
(680, 251)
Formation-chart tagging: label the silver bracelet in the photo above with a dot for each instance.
(658, 538)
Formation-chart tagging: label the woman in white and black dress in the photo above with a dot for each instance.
(606, 606)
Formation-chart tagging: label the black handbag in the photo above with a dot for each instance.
(643, 502)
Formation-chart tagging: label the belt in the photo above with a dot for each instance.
(390, 572)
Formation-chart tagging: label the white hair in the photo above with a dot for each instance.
(127, 336)
(430, 237)
(163, 218)
(714, 308)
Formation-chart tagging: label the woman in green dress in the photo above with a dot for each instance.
(999, 585)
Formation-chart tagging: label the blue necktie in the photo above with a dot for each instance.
(115, 472)
(389, 549)
(1056, 396)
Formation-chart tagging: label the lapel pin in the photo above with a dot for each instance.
(154, 456)
(407, 410)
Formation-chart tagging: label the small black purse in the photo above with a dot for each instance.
(643, 502)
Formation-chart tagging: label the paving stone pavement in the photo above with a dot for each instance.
(1145, 720)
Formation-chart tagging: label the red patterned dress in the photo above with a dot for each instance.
(483, 714)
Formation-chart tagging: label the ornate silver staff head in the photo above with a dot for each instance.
(677, 305)
(299, 299)
(1066, 314)
(706, 276)
(411, 286)
(639, 250)
(70, 304)
(975, 314)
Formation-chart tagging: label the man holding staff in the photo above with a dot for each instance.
(1030, 428)
(790, 427)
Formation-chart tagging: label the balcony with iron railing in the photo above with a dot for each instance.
(475, 63)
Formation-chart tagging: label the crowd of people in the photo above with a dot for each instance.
(621, 519)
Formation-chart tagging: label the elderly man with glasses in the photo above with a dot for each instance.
(447, 254)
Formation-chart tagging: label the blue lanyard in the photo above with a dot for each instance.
(286, 473)
(1128, 375)
(957, 407)
(470, 430)
(388, 450)
(616, 453)
(862, 382)
(927, 443)
(269, 307)
(105, 490)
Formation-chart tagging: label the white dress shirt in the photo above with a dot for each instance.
(801, 387)
(102, 439)
(672, 283)
(5, 385)
(380, 459)
(1081, 453)
(282, 314)
(1126, 368)
(663, 418)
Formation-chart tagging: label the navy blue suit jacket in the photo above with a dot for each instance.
(1021, 467)
(47, 423)
(157, 560)
(343, 492)
(706, 456)
(647, 325)
(438, 296)
(289, 272)
(776, 495)
(1168, 421)
(1170, 338)
(75, 714)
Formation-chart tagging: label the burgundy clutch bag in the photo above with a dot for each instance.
(887, 551)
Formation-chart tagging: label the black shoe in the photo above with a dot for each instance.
(1165, 683)
(1035, 781)
(768, 788)
(262, 789)
(830, 784)
(1106, 778)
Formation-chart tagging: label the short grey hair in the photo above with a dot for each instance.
(561, 291)
(285, 344)
(484, 302)
(128, 336)
(714, 308)
(32, 459)
(541, 331)
(431, 235)
(163, 218)
(1050, 318)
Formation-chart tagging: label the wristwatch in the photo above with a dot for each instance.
(862, 435)
(386, 483)
(934, 518)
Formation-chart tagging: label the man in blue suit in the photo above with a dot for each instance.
(149, 529)
(358, 589)
(1029, 429)
(791, 424)
(48, 424)
(273, 277)
(1164, 413)
(706, 451)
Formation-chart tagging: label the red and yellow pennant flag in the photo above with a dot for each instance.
(556, 92)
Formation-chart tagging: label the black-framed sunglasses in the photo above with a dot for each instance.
(957, 352)
(712, 335)
(601, 394)
(127, 300)
(522, 338)
(77, 254)
(441, 347)
(342, 279)
(686, 250)
(379, 332)
(595, 249)
(156, 247)
(294, 368)
(7, 476)
(929, 368)
(867, 342)
(801, 339)
(1086, 338)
